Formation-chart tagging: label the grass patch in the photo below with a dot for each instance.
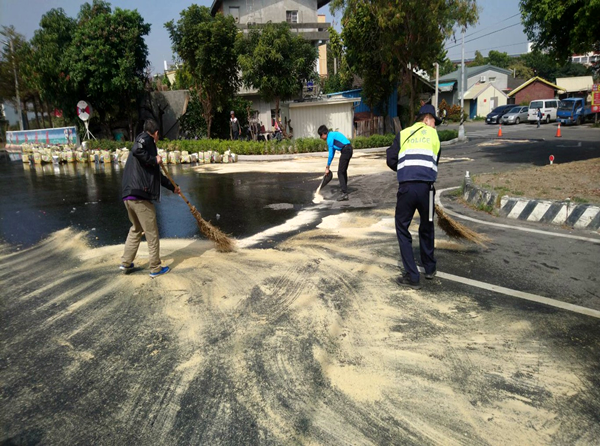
(457, 192)
(502, 190)
(579, 200)
(485, 208)
(575, 179)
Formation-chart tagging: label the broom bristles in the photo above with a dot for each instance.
(456, 230)
(222, 242)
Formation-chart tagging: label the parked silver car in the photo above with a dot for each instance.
(515, 115)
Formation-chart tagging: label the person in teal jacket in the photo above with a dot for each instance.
(337, 141)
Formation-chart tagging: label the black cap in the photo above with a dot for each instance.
(428, 109)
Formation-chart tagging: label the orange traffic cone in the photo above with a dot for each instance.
(558, 135)
(500, 130)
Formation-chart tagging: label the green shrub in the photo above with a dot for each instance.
(447, 135)
(272, 147)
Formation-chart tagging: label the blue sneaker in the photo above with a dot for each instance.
(164, 270)
(127, 269)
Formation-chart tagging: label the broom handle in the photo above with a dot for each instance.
(175, 185)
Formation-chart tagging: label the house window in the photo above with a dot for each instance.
(291, 16)
(235, 12)
(492, 79)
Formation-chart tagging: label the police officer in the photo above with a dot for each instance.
(414, 155)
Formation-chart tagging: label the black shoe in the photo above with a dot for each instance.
(343, 197)
(405, 281)
(431, 275)
(127, 269)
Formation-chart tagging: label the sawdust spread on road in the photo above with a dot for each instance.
(310, 342)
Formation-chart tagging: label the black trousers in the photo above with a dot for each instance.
(345, 156)
(414, 196)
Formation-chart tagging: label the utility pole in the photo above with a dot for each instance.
(12, 54)
(461, 128)
(437, 85)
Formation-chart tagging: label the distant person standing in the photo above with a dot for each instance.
(142, 179)
(539, 118)
(414, 155)
(337, 141)
(235, 126)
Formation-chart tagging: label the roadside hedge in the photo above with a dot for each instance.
(298, 145)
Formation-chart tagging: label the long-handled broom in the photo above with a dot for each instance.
(222, 242)
(456, 230)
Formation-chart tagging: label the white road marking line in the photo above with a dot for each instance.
(520, 294)
(500, 225)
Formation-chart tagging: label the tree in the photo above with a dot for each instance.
(106, 62)
(50, 62)
(410, 35)
(9, 60)
(498, 59)
(17, 58)
(339, 75)
(364, 56)
(520, 69)
(446, 65)
(562, 28)
(478, 60)
(276, 62)
(206, 45)
(548, 67)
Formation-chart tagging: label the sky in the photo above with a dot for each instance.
(25, 15)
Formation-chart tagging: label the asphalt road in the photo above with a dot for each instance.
(310, 342)
(544, 264)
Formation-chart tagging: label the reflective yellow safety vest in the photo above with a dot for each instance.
(419, 154)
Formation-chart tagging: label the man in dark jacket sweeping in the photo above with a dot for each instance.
(142, 179)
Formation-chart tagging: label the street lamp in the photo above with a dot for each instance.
(10, 45)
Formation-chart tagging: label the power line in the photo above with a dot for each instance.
(493, 48)
(485, 35)
(491, 26)
(488, 27)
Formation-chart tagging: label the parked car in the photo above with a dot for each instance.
(515, 115)
(548, 107)
(495, 116)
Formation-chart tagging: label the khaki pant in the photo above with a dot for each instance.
(143, 219)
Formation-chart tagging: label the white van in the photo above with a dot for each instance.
(549, 107)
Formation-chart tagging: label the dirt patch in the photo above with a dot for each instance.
(578, 181)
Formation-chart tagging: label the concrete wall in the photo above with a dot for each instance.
(501, 82)
(535, 90)
(484, 101)
(263, 108)
(451, 98)
(263, 11)
(308, 116)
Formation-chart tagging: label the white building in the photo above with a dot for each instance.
(303, 18)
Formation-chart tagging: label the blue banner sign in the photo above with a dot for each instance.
(43, 137)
